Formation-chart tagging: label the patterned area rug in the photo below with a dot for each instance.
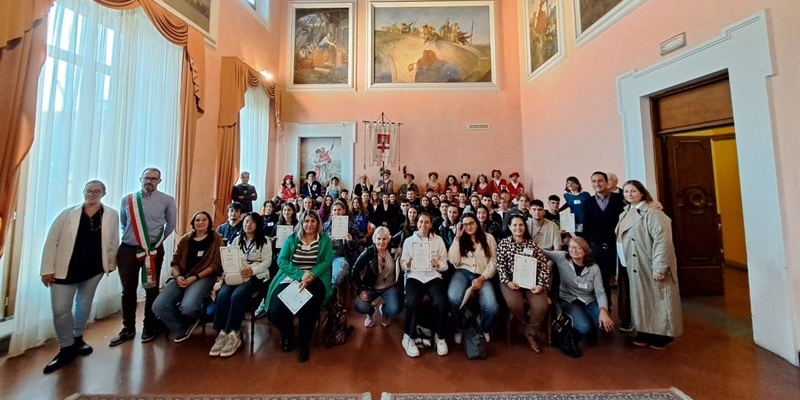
(658, 394)
(80, 396)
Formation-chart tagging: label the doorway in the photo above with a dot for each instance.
(774, 320)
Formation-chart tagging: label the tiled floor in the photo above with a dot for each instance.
(715, 359)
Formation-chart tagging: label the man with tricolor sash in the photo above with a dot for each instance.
(147, 218)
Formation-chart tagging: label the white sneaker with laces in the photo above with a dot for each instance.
(441, 346)
(219, 343)
(457, 337)
(410, 347)
(232, 344)
(369, 322)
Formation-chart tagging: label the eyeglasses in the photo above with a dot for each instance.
(150, 178)
(93, 192)
(468, 223)
(575, 248)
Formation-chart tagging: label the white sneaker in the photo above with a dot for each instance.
(441, 346)
(410, 346)
(218, 344)
(232, 344)
(457, 337)
(368, 321)
(486, 336)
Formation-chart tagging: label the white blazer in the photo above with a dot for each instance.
(61, 241)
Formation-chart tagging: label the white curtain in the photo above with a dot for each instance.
(109, 97)
(254, 140)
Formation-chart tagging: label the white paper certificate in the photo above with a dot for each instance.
(231, 266)
(339, 224)
(281, 233)
(230, 260)
(567, 221)
(293, 297)
(525, 269)
(421, 256)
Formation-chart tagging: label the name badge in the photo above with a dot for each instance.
(528, 252)
(583, 285)
(200, 253)
(305, 247)
(577, 202)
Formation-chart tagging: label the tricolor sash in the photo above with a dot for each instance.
(147, 251)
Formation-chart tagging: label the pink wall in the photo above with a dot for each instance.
(434, 135)
(242, 35)
(576, 102)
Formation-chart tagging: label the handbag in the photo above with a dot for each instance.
(474, 343)
(564, 335)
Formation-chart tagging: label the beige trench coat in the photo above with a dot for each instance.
(647, 246)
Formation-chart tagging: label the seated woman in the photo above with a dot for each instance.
(520, 243)
(473, 255)
(305, 258)
(288, 189)
(195, 266)
(269, 216)
(255, 256)
(324, 211)
(344, 250)
(433, 183)
(581, 294)
(487, 224)
(482, 187)
(422, 280)
(361, 219)
(334, 188)
(374, 276)
(81, 246)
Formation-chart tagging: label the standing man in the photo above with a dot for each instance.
(515, 187)
(546, 234)
(551, 213)
(602, 215)
(147, 218)
(613, 181)
(244, 193)
(311, 188)
(522, 208)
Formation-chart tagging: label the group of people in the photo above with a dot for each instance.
(453, 241)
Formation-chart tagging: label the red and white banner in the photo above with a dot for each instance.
(383, 140)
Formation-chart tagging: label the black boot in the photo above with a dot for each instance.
(65, 356)
(81, 347)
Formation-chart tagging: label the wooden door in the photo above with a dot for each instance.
(692, 205)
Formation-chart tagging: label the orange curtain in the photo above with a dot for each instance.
(235, 78)
(178, 32)
(23, 30)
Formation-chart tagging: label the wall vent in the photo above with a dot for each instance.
(473, 127)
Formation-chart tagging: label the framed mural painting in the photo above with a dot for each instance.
(327, 149)
(321, 44)
(431, 44)
(543, 22)
(595, 16)
(322, 155)
(200, 14)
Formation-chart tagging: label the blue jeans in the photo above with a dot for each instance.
(339, 270)
(585, 317)
(70, 322)
(391, 302)
(461, 280)
(178, 308)
(231, 304)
